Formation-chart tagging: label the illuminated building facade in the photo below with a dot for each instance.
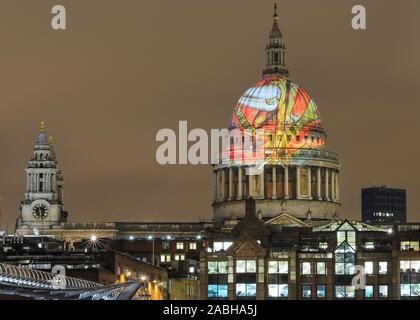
(297, 173)
(287, 258)
(381, 205)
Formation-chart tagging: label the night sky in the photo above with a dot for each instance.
(125, 69)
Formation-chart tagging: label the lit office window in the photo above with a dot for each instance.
(192, 246)
(341, 236)
(383, 267)
(321, 268)
(180, 246)
(383, 291)
(344, 292)
(165, 258)
(217, 291)
(351, 238)
(306, 291)
(323, 245)
(179, 257)
(368, 267)
(217, 267)
(246, 289)
(344, 259)
(278, 290)
(369, 245)
(306, 268)
(321, 291)
(369, 292)
(278, 267)
(246, 266)
(409, 245)
(410, 279)
(221, 246)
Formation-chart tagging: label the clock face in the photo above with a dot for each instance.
(40, 211)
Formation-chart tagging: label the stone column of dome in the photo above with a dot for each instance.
(223, 193)
(261, 178)
(318, 180)
(297, 182)
(240, 194)
(333, 185)
(286, 182)
(309, 183)
(274, 182)
(230, 196)
(327, 189)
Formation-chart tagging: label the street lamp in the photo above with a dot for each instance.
(153, 248)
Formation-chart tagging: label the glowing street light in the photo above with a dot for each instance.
(93, 238)
(153, 248)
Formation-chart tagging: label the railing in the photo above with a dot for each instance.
(277, 155)
(25, 277)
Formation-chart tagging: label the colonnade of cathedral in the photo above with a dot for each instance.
(277, 182)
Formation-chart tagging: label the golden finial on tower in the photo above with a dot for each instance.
(50, 140)
(42, 126)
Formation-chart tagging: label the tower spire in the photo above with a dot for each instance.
(275, 15)
(275, 51)
(42, 126)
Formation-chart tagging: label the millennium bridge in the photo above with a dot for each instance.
(24, 283)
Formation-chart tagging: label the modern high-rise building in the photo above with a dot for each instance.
(383, 205)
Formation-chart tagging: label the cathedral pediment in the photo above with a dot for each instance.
(286, 219)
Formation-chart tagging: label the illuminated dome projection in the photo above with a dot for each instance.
(287, 115)
(296, 176)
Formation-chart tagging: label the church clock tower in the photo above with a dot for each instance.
(42, 208)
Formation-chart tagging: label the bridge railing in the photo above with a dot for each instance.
(14, 275)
